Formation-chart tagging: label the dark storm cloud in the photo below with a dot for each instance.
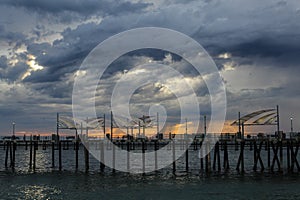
(267, 47)
(3, 62)
(261, 34)
(68, 10)
(11, 73)
(10, 36)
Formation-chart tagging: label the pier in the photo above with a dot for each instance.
(202, 153)
(264, 154)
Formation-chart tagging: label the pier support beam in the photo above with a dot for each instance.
(174, 161)
(187, 157)
(217, 157)
(102, 166)
(257, 156)
(53, 154)
(294, 160)
(59, 156)
(86, 156)
(275, 157)
(226, 160)
(240, 164)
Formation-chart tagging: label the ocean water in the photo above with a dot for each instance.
(49, 183)
(70, 185)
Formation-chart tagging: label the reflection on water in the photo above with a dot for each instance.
(38, 191)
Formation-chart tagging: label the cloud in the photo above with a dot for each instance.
(67, 10)
(260, 37)
(10, 37)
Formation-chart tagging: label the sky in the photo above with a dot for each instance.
(255, 45)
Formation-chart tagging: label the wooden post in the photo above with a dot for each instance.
(242, 153)
(14, 146)
(128, 156)
(288, 155)
(187, 156)
(174, 161)
(111, 126)
(157, 128)
(294, 157)
(254, 154)
(226, 161)
(6, 153)
(30, 154)
(53, 153)
(207, 160)
(57, 126)
(155, 154)
(76, 151)
(143, 155)
(207, 156)
(86, 156)
(201, 156)
(275, 157)
(241, 158)
(243, 130)
(217, 157)
(34, 155)
(59, 156)
(10, 153)
(104, 127)
(281, 155)
(102, 166)
(239, 122)
(269, 154)
(277, 116)
(114, 157)
(257, 157)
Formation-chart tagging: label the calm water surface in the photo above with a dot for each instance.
(48, 183)
(66, 185)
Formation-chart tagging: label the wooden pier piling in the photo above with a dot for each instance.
(53, 154)
(76, 152)
(143, 156)
(102, 166)
(34, 154)
(240, 164)
(7, 144)
(86, 156)
(128, 156)
(187, 157)
(217, 157)
(59, 156)
(30, 154)
(114, 158)
(257, 157)
(266, 154)
(174, 157)
(226, 159)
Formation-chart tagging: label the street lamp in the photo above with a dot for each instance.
(291, 124)
(14, 125)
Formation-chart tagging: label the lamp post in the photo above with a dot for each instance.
(291, 124)
(14, 126)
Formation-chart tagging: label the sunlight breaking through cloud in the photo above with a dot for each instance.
(33, 66)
